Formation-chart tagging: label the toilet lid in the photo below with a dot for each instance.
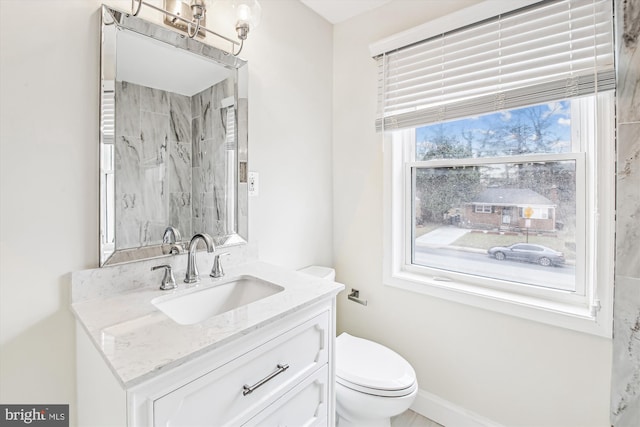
(369, 365)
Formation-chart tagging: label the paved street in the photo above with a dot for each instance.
(433, 249)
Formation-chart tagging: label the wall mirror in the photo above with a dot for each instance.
(173, 141)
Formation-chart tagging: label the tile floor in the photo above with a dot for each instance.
(412, 419)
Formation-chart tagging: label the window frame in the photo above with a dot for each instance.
(590, 312)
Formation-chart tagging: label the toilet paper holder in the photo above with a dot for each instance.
(355, 297)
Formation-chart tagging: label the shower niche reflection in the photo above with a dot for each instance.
(173, 141)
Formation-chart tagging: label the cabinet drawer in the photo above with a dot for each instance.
(236, 391)
(304, 405)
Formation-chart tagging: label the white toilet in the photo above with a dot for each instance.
(373, 383)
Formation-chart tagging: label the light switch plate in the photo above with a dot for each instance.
(254, 188)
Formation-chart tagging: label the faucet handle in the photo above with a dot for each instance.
(217, 270)
(168, 281)
(176, 249)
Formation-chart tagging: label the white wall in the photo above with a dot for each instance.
(48, 183)
(290, 99)
(512, 371)
(49, 83)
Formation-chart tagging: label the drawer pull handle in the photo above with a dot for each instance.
(247, 389)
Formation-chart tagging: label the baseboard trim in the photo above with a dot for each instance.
(447, 413)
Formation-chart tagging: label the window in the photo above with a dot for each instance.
(107, 176)
(469, 176)
(479, 208)
(499, 192)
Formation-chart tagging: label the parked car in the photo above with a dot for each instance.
(528, 252)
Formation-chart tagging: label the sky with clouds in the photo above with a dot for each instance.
(555, 117)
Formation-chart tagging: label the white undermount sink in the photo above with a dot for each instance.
(201, 304)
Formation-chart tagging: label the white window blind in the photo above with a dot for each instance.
(231, 129)
(107, 124)
(550, 51)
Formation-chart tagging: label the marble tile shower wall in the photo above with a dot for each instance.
(625, 386)
(170, 162)
(210, 158)
(152, 163)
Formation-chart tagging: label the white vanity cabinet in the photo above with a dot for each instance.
(230, 394)
(280, 374)
(304, 405)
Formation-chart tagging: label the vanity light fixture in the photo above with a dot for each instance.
(248, 16)
(190, 16)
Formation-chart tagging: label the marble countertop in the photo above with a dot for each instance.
(138, 341)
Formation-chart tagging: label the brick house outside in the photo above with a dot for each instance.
(507, 209)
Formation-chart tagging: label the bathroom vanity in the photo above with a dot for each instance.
(266, 362)
(254, 347)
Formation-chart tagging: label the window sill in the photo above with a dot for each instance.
(568, 316)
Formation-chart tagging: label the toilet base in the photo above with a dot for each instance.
(379, 422)
(355, 409)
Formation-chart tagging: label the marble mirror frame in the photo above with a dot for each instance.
(230, 227)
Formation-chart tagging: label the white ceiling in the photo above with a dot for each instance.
(336, 11)
(134, 67)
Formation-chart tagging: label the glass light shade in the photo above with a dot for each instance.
(247, 12)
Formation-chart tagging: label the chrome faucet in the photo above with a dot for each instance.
(172, 237)
(192, 275)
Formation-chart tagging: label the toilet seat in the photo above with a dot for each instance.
(371, 368)
(376, 391)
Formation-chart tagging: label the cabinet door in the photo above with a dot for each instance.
(220, 397)
(303, 406)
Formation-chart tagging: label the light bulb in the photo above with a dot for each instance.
(247, 13)
(243, 12)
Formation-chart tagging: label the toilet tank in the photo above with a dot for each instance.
(319, 271)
